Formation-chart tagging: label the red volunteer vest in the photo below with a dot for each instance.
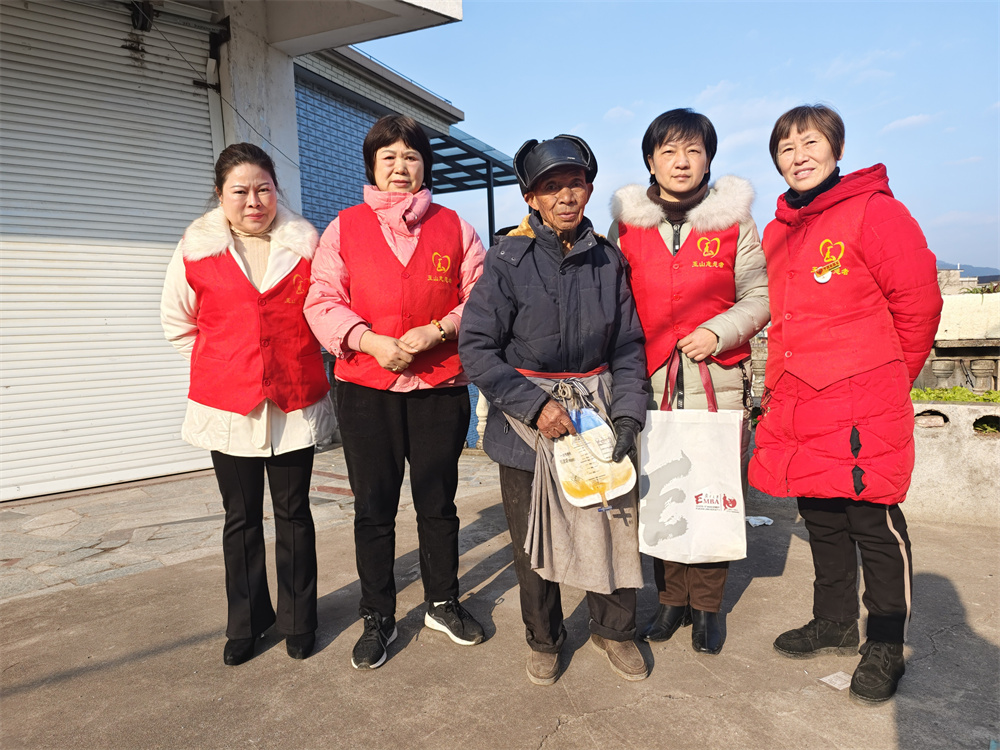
(825, 331)
(394, 298)
(252, 346)
(674, 294)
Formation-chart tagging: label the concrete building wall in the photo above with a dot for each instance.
(259, 82)
(951, 281)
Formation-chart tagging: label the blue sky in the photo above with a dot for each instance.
(918, 85)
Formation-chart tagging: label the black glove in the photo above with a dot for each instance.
(627, 430)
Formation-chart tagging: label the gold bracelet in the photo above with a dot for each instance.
(440, 327)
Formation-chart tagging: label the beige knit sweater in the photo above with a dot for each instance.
(254, 250)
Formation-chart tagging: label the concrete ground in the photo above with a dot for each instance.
(113, 614)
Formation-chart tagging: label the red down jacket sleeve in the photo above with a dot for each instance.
(906, 271)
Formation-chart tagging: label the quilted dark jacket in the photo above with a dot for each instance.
(535, 309)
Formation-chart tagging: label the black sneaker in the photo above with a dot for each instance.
(452, 619)
(819, 636)
(369, 651)
(878, 674)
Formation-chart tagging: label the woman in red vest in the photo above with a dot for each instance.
(389, 284)
(701, 292)
(855, 305)
(232, 305)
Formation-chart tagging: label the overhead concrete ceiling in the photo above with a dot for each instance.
(298, 27)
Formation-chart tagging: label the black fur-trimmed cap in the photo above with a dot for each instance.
(535, 158)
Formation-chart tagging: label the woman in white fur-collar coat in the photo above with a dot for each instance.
(697, 273)
(258, 399)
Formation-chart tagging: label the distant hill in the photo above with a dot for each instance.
(969, 271)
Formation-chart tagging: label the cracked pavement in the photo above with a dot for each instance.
(113, 609)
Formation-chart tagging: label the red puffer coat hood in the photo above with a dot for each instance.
(863, 182)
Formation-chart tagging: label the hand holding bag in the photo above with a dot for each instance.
(691, 507)
(584, 469)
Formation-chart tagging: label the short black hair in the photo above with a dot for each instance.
(678, 124)
(390, 129)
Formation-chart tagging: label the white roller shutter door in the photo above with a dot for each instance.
(106, 157)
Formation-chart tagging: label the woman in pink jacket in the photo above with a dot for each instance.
(389, 282)
(854, 308)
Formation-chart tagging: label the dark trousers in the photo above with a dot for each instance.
(382, 431)
(701, 585)
(838, 529)
(241, 482)
(612, 616)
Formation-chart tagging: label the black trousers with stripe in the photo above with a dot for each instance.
(241, 482)
(839, 529)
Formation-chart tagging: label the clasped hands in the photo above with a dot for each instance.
(396, 354)
(553, 422)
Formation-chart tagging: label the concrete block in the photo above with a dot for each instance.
(969, 316)
(956, 471)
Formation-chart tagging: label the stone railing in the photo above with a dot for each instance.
(758, 361)
(967, 345)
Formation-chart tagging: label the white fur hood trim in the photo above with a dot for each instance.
(209, 235)
(728, 202)
(630, 204)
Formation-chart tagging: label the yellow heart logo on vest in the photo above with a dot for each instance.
(441, 262)
(828, 249)
(709, 247)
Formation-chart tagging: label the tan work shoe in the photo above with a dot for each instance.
(624, 656)
(543, 668)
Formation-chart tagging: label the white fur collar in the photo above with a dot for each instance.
(728, 202)
(209, 235)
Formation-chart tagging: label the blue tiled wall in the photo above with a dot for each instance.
(331, 131)
(473, 436)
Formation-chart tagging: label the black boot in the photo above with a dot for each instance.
(668, 618)
(300, 646)
(878, 674)
(237, 651)
(819, 636)
(706, 635)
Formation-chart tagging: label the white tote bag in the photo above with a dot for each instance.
(691, 507)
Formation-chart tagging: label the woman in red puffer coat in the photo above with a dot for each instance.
(854, 308)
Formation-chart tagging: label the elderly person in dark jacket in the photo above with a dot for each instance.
(554, 305)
